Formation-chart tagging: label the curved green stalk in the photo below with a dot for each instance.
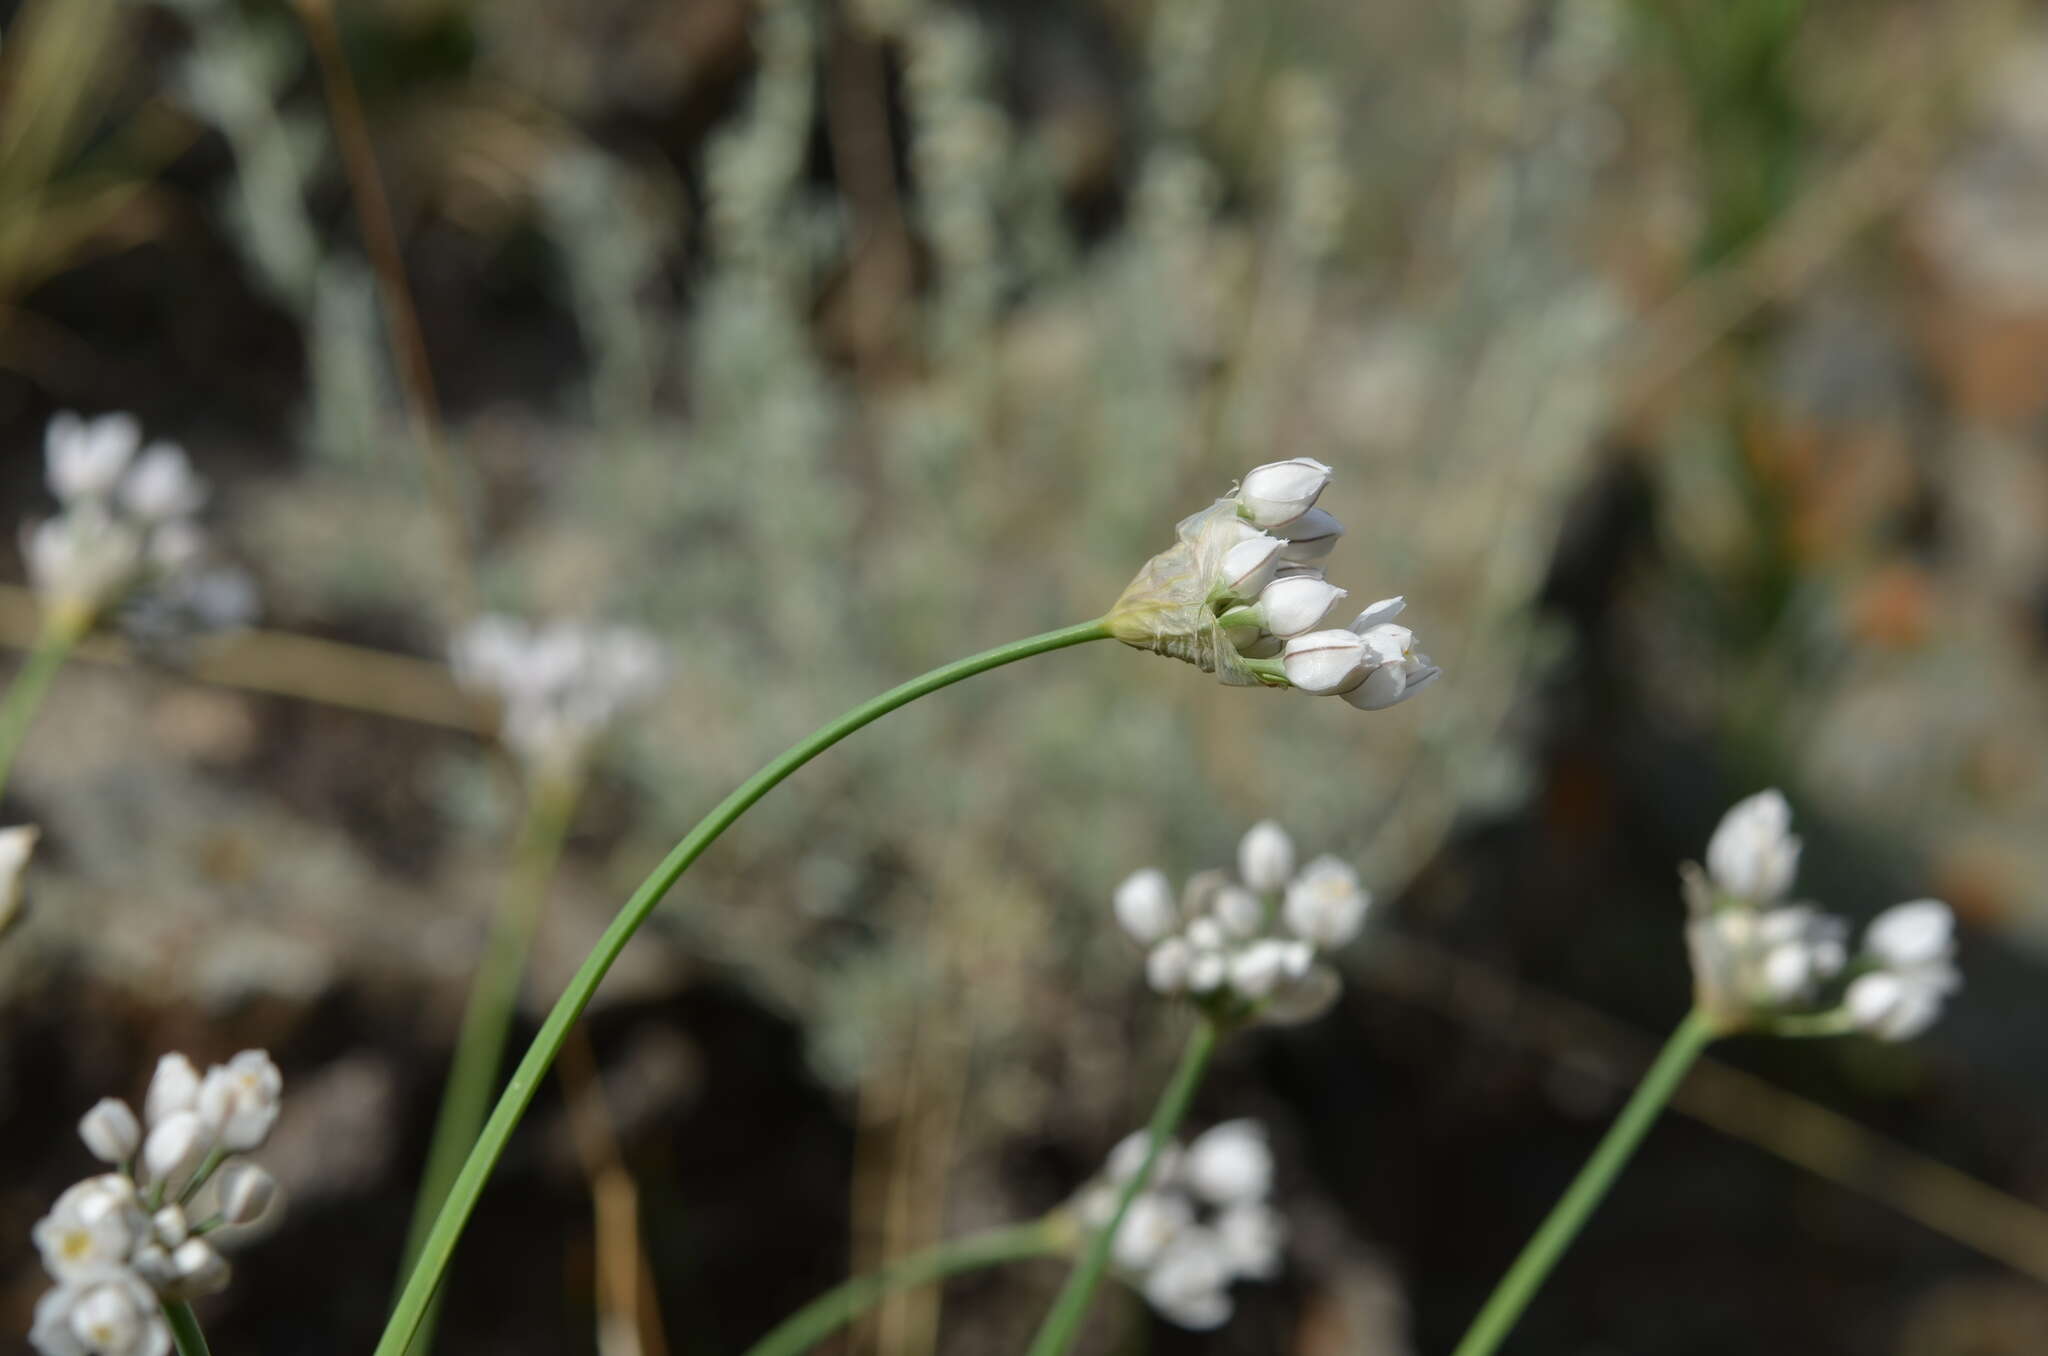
(487, 1016)
(1071, 1307)
(439, 1244)
(185, 1328)
(1572, 1210)
(843, 1303)
(31, 683)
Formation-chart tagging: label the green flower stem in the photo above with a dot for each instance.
(185, 1329)
(60, 632)
(1572, 1210)
(1063, 1321)
(842, 1304)
(487, 1017)
(439, 1244)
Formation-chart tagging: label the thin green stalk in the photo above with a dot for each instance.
(1572, 1210)
(487, 1016)
(185, 1328)
(1063, 1321)
(439, 1245)
(843, 1303)
(31, 683)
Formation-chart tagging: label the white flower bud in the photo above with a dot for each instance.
(174, 1147)
(1385, 610)
(161, 486)
(240, 1100)
(1310, 537)
(16, 846)
(201, 1270)
(1251, 1237)
(1920, 932)
(173, 1087)
(1230, 1163)
(246, 1191)
(1296, 604)
(1265, 856)
(1325, 904)
(1893, 1007)
(1281, 491)
(110, 1131)
(1144, 906)
(1207, 970)
(1189, 1285)
(1167, 965)
(1304, 999)
(1324, 662)
(1262, 967)
(169, 1227)
(1150, 1225)
(1238, 912)
(84, 458)
(1753, 854)
(1248, 566)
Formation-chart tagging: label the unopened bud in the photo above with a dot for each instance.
(1310, 537)
(1144, 906)
(110, 1131)
(1281, 491)
(1248, 566)
(245, 1192)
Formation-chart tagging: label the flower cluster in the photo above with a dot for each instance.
(1201, 1223)
(1761, 962)
(1249, 944)
(562, 684)
(1242, 595)
(120, 1243)
(128, 531)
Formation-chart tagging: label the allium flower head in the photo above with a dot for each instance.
(1242, 595)
(127, 534)
(561, 685)
(1760, 963)
(118, 1245)
(1201, 1223)
(1247, 946)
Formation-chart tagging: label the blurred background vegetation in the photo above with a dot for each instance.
(1684, 363)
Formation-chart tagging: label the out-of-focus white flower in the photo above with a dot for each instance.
(1325, 904)
(1279, 492)
(561, 685)
(174, 1147)
(1144, 906)
(1310, 537)
(1265, 857)
(84, 560)
(1238, 912)
(1303, 1000)
(110, 1131)
(198, 1268)
(17, 845)
(84, 458)
(173, 1087)
(1916, 933)
(1913, 947)
(1167, 965)
(92, 1227)
(246, 1191)
(110, 1313)
(1230, 1163)
(169, 1227)
(1251, 1237)
(1897, 1005)
(1190, 1283)
(239, 1100)
(1260, 968)
(1149, 1228)
(1753, 854)
(161, 486)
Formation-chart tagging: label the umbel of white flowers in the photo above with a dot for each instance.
(1247, 945)
(1761, 963)
(120, 1243)
(1201, 1223)
(1242, 595)
(128, 533)
(561, 684)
